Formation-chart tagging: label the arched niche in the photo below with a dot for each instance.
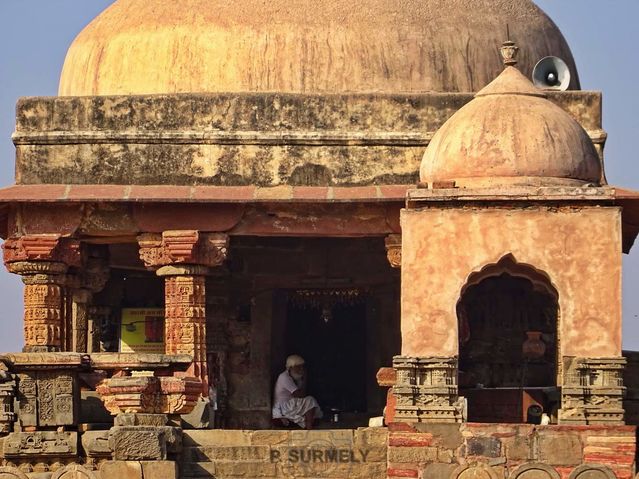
(508, 314)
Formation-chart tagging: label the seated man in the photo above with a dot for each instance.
(290, 402)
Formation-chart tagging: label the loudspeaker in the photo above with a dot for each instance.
(551, 73)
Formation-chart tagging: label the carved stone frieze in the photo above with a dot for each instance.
(150, 394)
(183, 247)
(48, 394)
(41, 444)
(592, 391)
(144, 443)
(426, 390)
(394, 250)
(7, 393)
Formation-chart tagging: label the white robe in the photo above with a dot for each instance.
(285, 406)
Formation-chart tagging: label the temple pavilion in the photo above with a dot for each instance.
(375, 185)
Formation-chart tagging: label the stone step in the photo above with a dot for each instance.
(224, 469)
(265, 469)
(229, 437)
(226, 453)
(358, 453)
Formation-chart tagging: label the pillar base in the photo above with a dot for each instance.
(593, 391)
(426, 390)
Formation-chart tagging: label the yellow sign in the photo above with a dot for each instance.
(142, 330)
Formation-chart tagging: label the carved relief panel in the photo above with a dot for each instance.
(47, 398)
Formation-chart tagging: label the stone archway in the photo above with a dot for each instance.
(508, 315)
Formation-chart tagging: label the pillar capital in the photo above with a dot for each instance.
(183, 270)
(34, 272)
(394, 250)
(42, 247)
(183, 247)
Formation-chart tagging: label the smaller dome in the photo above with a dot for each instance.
(511, 134)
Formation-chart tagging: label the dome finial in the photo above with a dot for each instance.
(509, 50)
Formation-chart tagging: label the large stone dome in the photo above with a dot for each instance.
(304, 46)
(511, 134)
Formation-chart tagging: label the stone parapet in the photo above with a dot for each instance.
(216, 138)
(426, 390)
(592, 391)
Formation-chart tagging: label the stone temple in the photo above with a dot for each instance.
(375, 185)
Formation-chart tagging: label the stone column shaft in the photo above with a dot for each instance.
(43, 304)
(80, 320)
(43, 260)
(185, 316)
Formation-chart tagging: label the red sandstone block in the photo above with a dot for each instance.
(564, 472)
(609, 458)
(354, 192)
(223, 193)
(401, 427)
(394, 472)
(159, 192)
(310, 193)
(623, 473)
(394, 192)
(609, 430)
(609, 448)
(410, 440)
(386, 377)
(96, 192)
(33, 192)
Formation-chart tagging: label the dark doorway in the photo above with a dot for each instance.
(508, 348)
(332, 340)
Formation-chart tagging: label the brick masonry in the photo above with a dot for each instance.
(423, 451)
(454, 451)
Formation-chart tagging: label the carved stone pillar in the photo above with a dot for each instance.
(185, 315)
(80, 320)
(102, 330)
(89, 279)
(42, 261)
(394, 250)
(592, 391)
(183, 259)
(43, 304)
(426, 390)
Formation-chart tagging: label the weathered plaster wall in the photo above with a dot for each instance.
(242, 139)
(578, 248)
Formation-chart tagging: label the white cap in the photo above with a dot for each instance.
(294, 360)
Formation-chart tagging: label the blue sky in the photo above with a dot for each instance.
(35, 34)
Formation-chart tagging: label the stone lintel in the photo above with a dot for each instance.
(183, 270)
(45, 361)
(140, 361)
